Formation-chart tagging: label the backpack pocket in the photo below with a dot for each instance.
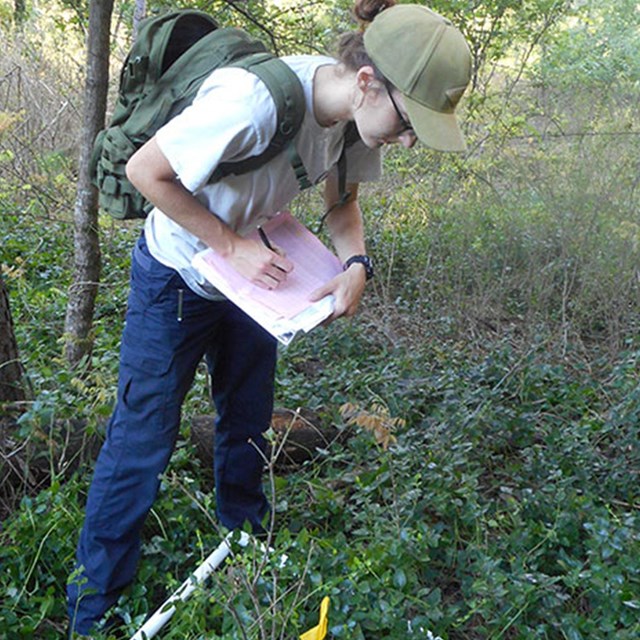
(118, 197)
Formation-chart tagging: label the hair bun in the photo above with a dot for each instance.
(366, 10)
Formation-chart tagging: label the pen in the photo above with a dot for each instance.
(265, 240)
(180, 303)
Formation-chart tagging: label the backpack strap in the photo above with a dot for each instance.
(160, 42)
(219, 48)
(231, 47)
(351, 136)
(288, 95)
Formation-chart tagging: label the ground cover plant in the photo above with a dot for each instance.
(506, 507)
(484, 481)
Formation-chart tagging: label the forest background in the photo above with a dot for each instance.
(483, 481)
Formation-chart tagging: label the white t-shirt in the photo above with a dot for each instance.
(234, 117)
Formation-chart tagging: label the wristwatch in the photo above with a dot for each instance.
(365, 261)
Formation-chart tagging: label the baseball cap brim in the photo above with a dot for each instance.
(437, 130)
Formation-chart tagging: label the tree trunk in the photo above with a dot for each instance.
(19, 12)
(11, 389)
(66, 445)
(296, 436)
(87, 262)
(138, 14)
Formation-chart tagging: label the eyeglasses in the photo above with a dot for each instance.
(405, 125)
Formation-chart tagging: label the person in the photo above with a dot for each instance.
(398, 80)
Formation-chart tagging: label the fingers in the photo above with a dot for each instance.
(320, 293)
(279, 250)
(273, 271)
(281, 262)
(347, 291)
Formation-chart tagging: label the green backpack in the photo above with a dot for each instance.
(172, 56)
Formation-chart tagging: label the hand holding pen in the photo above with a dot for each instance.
(271, 247)
(265, 240)
(279, 266)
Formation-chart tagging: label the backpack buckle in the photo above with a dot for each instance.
(137, 68)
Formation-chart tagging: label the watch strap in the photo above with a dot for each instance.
(365, 261)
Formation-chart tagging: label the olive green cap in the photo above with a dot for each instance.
(428, 60)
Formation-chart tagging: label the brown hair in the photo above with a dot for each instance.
(351, 51)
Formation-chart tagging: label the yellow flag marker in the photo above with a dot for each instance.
(319, 632)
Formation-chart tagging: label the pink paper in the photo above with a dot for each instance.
(314, 265)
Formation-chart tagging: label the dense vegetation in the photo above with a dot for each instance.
(484, 483)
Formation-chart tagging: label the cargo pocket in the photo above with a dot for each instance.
(144, 372)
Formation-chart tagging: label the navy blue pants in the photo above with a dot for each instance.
(168, 330)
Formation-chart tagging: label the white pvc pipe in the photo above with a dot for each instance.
(162, 614)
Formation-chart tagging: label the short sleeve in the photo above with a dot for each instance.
(233, 117)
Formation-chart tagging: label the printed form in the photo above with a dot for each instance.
(286, 310)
